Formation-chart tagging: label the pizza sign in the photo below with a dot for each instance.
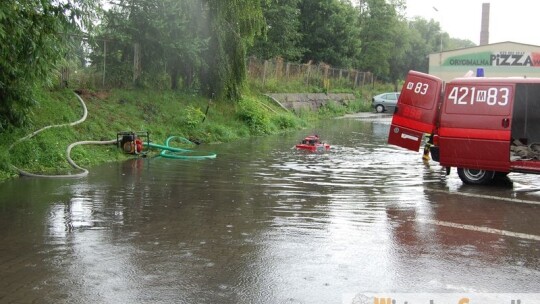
(503, 58)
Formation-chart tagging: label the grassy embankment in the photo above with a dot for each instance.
(162, 113)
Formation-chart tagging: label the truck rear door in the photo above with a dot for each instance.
(475, 126)
(416, 111)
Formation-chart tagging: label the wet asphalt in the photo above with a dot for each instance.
(264, 223)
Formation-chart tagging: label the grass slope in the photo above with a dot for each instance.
(162, 113)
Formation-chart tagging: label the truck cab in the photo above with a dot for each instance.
(485, 127)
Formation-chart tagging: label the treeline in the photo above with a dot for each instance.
(202, 45)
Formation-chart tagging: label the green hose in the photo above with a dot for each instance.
(179, 153)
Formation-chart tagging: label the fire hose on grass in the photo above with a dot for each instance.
(135, 147)
(68, 150)
(178, 153)
(134, 142)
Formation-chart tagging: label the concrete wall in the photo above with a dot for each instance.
(309, 101)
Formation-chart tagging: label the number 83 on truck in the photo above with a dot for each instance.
(485, 127)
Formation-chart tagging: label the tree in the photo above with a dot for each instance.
(34, 37)
(456, 43)
(399, 60)
(233, 25)
(202, 42)
(417, 55)
(430, 32)
(185, 41)
(168, 35)
(330, 32)
(378, 21)
(283, 35)
(426, 37)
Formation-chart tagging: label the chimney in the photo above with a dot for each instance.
(484, 31)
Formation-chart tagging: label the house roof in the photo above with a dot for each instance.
(491, 44)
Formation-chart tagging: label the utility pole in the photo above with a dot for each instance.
(440, 37)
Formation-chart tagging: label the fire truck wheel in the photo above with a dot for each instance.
(475, 176)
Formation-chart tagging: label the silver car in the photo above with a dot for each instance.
(385, 101)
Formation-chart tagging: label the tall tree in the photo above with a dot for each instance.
(193, 41)
(234, 24)
(399, 57)
(431, 33)
(378, 21)
(417, 54)
(34, 37)
(167, 35)
(283, 35)
(426, 37)
(184, 41)
(330, 32)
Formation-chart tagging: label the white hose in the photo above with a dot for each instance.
(68, 150)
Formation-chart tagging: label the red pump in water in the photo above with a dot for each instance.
(312, 143)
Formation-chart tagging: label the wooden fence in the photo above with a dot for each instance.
(264, 71)
(311, 74)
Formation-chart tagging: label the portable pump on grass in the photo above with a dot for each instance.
(131, 142)
(134, 142)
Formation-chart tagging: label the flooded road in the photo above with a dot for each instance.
(263, 223)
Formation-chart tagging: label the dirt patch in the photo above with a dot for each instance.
(88, 94)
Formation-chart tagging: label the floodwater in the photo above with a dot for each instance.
(264, 223)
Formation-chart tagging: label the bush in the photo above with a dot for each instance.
(254, 116)
(218, 132)
(285, 121)
(331, 109)
(191, 116)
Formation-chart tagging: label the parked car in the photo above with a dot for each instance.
(385, 101)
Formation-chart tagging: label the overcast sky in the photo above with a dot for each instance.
(516, 20)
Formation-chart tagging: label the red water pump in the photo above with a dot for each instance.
(131, 142)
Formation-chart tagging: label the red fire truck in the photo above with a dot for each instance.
(485, 127)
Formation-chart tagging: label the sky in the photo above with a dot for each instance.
(516, 21)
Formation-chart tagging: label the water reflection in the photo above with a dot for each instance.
(264, 223)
